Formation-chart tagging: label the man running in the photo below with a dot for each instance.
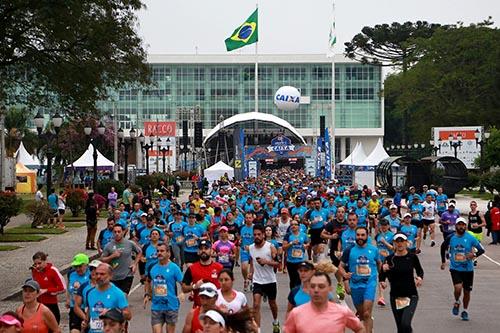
(461, 246)
(429, 217)
(246, 239)
(263, 261)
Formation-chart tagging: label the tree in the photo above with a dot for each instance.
(454, 83)
(10, 205)
(391, 45)
(491, 156)
(68, 53)
(16, 126)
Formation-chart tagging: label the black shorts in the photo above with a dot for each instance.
(124, 285)
(417, 223)
(466, 279)
(268, 289)
(61, 211)
(142, 268)
(316, 236)
(191, 257)
(428, 222)
(75, 322)
(54, 212)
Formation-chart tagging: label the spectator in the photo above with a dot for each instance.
(91, 221)
(112, 197)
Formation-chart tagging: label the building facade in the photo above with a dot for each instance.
(208, 87)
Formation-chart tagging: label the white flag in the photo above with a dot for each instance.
(332, 40)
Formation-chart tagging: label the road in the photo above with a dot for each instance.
(434, 308)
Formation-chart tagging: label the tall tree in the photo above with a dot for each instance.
(16, 128)
(68, 53)
(391, 45)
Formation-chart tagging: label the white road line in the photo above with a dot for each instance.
(493, 261)
(138, 285)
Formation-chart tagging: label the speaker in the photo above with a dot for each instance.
(322, 126)
(198, 134)
(185, 139)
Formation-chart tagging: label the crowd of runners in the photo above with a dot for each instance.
(331, 240)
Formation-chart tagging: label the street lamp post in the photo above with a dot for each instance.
(165, 152)
(48, 137)
(146, 147)
(481, 140)
(100, 130)
(435, 148)
(126, 143)
(455, 142)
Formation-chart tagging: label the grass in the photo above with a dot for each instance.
(74, 225)
(10, 238)
(8, 247)
(27, 229)
(477, 194)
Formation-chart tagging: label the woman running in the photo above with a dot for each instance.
(224, 249)
(229, 300)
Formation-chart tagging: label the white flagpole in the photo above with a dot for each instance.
(331, 42)
(256, 75)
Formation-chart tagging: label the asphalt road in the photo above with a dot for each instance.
(433, 311)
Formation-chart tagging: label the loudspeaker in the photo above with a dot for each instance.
(185, 139)
(322, 126)
(198, 134)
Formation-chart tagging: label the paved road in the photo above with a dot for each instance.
(433, 312)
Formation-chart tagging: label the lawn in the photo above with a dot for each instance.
(477, 194)
(8, 247)
(10, 238)
(27, 229)
(74, 225)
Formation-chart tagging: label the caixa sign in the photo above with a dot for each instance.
(287, 98)
(281, 144)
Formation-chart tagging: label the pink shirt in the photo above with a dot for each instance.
(335, 319)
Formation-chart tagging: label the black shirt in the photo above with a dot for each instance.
(401, 274)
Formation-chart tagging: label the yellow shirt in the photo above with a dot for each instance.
(373, 206)
(197, 203)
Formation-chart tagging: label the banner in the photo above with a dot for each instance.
(468, 150)
(242, 148)
(328, 162)
(318, 156)
(164, 137)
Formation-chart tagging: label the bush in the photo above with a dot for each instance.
(75, 200)
(491, 181)
(473, 180)
(104, 186)
(152, 181)
(38, 212)
(10, 205)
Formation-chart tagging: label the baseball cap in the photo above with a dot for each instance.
(215, 316)
(80, 259)
(306, 265)
(203, 206)
(374, 194)
(144, 215)
(95, 263)
(223, 228)
(383, 222)
(10, 320)
(32, 284)
(400, 236)
(461, 220)
(393, 206)
(407, 215)
(451, 204)
(114, 314)
(208, 289)
(205, 242)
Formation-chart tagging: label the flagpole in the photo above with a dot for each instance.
(256, 75)
(332, 41)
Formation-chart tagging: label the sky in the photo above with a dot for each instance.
(289, 26)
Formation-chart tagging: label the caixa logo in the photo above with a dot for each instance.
(287, 98)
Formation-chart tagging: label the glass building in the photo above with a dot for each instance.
(223, 85)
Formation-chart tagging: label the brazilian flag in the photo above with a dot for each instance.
(245, 34)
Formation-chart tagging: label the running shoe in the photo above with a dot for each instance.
(425, 236)
(264, 298)
(340, 291)
(245, 286)
(381, 301)
(475, 263)
(464, 315)
(433, 243)
(276, 327)
(456, 309)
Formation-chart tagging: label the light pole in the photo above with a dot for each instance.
(481, 140)
(165, 151)
(126, 142)
(48, 137)
(455, 142)
(435, 148)
(100, 131)
(146, 147)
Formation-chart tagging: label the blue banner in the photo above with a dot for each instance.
(328, 160)
(318, 156)
(242, 149)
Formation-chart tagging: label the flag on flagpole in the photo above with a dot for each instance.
(332, 40)
(245, 34)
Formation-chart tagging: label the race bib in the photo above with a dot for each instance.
(451, 227)
(460, 257)
(402, 302)
(191, 242)
(96, 324)
(224, 258)
(383, 253)
(179, 239)
(160, 290)
(297, 253)
(363, 270)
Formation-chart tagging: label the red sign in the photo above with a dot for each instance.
(466, 134)
(159, 128)
(155, 152)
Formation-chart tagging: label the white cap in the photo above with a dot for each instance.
(215, 316)
(208, 289)
(406, 215)
(393, 206)
(144, 215)
(400, 235)
(95, 263)
(461, 220)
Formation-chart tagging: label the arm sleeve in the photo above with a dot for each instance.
(444, 247)
(178, 275)
(479, 248)
(418, 267)
(59, 284)
(188, 278)
(122, 301)
(382, 276)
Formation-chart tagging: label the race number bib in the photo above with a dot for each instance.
(179, 239)
(451, 227)
(402, 302)
(191, 242)
(96, 324)
(297, 253)
(224, 258)
(383, 253)
(363, 270)
(160, 290)
(460, 257)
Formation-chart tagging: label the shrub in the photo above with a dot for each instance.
(491, 181)
(104, 186)
(38, 212)
(75, 200)
(10, 205)
(473, 180)
(152, 181)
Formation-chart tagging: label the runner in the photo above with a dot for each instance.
(80, 298)
(105, 235)
(295, 244)
(175, 232)
(161, 290)
(262, 264)
(429, 217)
(441, 201)
(317, 219)
(76, 278)
(52, 200)
(410, 231)
(113, 321)
(320, 315)
(150, 252)
(224, 249)
(208, 297)
(384, 241)
(192, 233)
(11, 322)
(400, 268)
(461, 247)
(448, 220)
(359, 266)
(246, 234)
(416, 210)
(393, 218)
(229, 300)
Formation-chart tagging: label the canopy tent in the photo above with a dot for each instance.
(218, 170)
(23, 157)
(357, 156)
(26, 179)
(376, 156)
(87, 161)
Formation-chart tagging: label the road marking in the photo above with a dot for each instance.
(138, 285)
(493, 261)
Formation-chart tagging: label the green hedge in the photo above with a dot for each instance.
(10, 205)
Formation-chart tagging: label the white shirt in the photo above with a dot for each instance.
(429, 210)
(235, 305)
(262, 274)
(38, 196)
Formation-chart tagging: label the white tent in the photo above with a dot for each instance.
(87, 160)
(23, 157)
(376, 156)
(357, 156)
(218, 170)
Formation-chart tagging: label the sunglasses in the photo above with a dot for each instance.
(207, 289)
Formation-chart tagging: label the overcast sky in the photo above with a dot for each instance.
(289, 26)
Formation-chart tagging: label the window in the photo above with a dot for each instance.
(322, 94)
(265, 73)
(223, 74)
(223, 93)
(359, 72)
(160, 74)
(322, 73)
(199, 94)
(291, 73)
(359, 94)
